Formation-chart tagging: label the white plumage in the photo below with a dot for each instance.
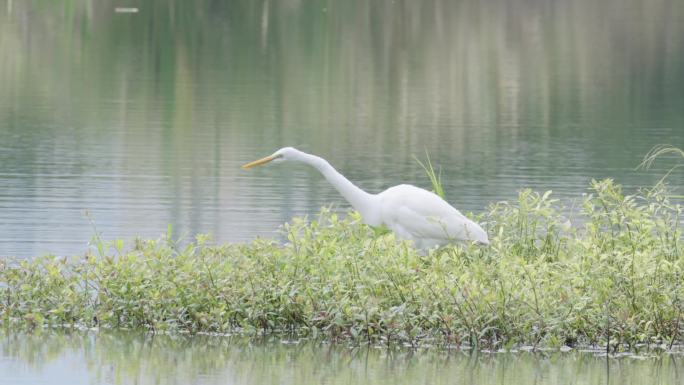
(424, 217)
(410, 212)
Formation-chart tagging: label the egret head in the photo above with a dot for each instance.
(284, 154)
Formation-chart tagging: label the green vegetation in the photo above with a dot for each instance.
(435, 177)
(614, 277)
(661, 151)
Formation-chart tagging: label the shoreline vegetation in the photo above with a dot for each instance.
(608, 275)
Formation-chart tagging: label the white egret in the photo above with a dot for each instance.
(409, 211)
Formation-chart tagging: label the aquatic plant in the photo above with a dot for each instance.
(659, 151)
(435, 176)
(662, 151)
(609, 275)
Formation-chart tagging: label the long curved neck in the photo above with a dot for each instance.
(362, 201)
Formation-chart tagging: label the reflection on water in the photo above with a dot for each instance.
(144, 118)
(125, 358)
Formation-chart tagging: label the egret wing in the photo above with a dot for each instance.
(419, 214)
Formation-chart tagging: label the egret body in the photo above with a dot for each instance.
(410, 212)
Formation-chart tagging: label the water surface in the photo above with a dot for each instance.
(134, 121)
(91, 358)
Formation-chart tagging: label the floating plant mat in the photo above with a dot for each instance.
(615, 281)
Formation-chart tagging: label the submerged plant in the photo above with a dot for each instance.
(612, 279)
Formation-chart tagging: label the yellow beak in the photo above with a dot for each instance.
(258, 162)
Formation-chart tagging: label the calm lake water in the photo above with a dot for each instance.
(137, 121)
(126, 123)
(130, 358)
